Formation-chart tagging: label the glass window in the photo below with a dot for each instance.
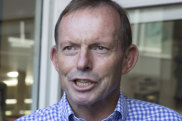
(17, 56)
(157, 75)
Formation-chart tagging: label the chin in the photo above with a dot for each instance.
(83, 100)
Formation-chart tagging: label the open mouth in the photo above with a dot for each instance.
(82, 83)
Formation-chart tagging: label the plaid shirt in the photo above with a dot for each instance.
(126, 110)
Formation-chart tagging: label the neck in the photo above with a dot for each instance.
(99, 110)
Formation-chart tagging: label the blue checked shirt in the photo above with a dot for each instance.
(126, 110)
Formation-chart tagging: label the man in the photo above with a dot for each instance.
(93, 49)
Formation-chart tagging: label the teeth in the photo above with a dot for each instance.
(82, 83)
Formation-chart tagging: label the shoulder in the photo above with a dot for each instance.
(141, 110)
(53, 112)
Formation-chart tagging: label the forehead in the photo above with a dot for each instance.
(90, 25)
(105, 13)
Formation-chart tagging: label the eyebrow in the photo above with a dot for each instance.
(66, 42)
(93, 42)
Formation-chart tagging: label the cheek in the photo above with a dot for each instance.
(108, 67)
(110, 71)
(65, 65)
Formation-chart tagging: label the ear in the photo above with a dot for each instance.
(130, 58)
(54, 57)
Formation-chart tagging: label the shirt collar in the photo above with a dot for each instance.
(122, 107)
(120, 110)
(65, 108)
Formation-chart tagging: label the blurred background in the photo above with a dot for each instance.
(28, 80)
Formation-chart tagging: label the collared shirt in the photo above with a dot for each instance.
(127, 109)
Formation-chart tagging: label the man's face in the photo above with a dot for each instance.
(89, 55)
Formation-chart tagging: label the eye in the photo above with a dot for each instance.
(100, 49)
(70, 50)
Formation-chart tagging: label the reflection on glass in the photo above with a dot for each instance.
(157, 76)
(17, 55)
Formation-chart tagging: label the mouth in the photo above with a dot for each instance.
(83, 84)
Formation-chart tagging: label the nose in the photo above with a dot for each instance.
(84, 60)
